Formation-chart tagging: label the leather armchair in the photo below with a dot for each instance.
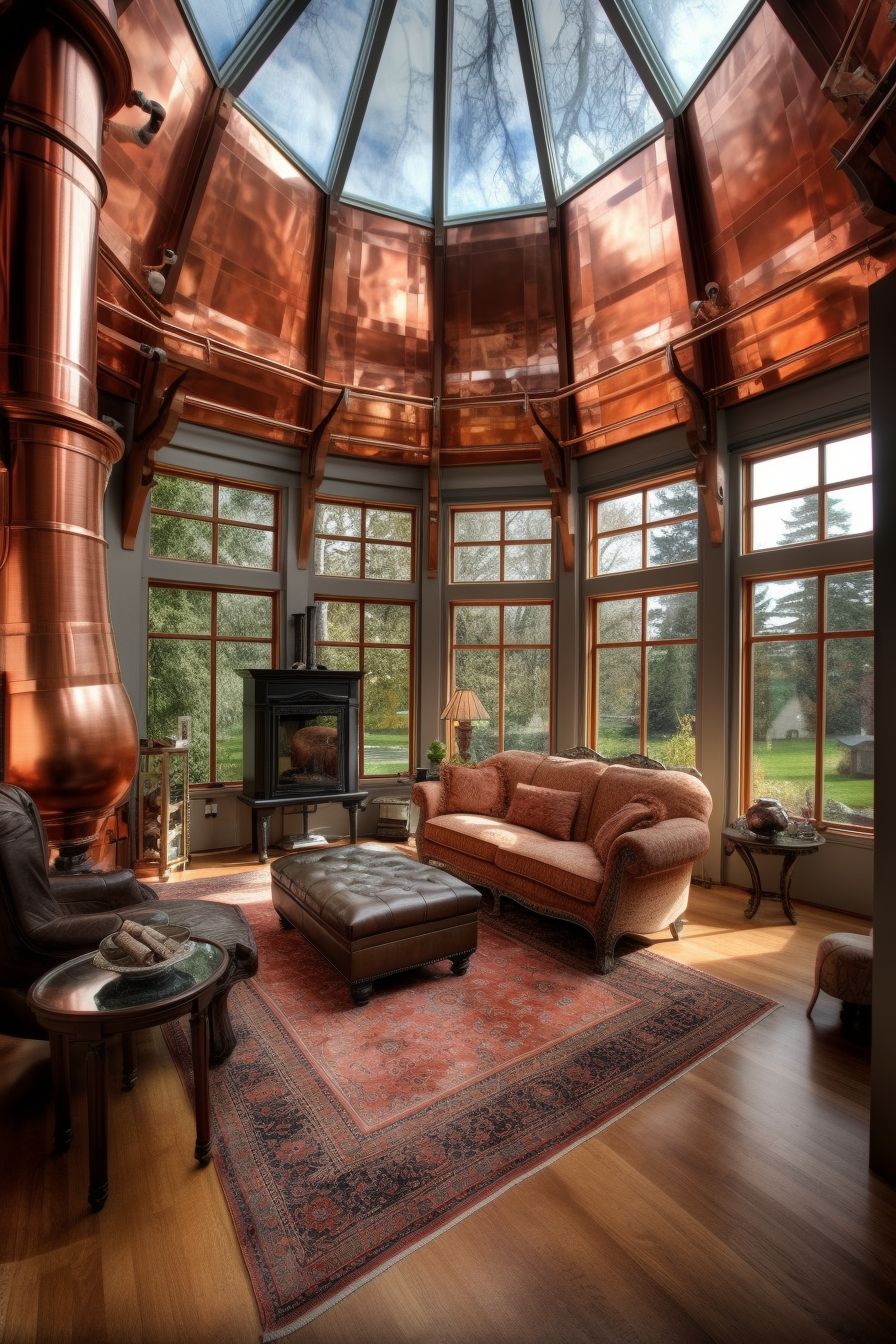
(47, 918)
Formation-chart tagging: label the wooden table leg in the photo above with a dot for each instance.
(59, 1063)
(98, 1191)
(352, 809)
(264, 821)
(784, 886)
(756, 880)
(128, 1062)
(199, 1041)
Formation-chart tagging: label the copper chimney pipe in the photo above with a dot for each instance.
(71, 737)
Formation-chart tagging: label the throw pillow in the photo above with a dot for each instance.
(550, 811)
(639, 812)
(477, 789)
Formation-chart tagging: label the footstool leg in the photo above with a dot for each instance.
(362, 992)
(460, 965)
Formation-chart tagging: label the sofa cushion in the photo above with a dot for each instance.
(573, 776)
(549, 811)
(468, 789)
(469, 834)
(637, 814)
(571, 867)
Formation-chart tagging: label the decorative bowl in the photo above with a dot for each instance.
(765, 816)
(111, 958)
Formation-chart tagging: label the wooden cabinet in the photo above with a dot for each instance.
(162, 823)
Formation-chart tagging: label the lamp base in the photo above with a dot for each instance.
(463, 736)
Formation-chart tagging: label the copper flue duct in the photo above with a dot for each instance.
(70, 734)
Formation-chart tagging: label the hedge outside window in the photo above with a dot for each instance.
(501, 545)
(502, 651)
(198, 640)
(643, 528)
(378, 639)
(363, 541)
(813, 493)
(213, 522)
(810, 735)
(643, 675)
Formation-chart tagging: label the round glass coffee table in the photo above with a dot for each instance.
(788, 847)
(77, 1001)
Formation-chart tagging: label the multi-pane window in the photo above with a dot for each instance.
(812, 493)
(376, 638)
(643, 682)
(213, 522)
(810, 690)
(644, 528)
(502, 651)
(363, 541)
(501, 545)
(199, 638)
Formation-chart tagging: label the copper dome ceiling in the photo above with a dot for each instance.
(450, 109)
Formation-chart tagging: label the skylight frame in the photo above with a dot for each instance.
(278, 17)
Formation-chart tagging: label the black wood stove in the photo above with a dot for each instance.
(300, 745)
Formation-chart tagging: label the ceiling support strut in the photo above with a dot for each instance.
(555, 465)
(139, 473)
(313, 475)
(701, 435)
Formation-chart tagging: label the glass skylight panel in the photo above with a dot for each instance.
(392, 163)
(687, 32)
(492, 164)
(598, 104)
(224, 24)
(302, 89)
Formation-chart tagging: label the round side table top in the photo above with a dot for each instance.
(778, 841)
(79, 992)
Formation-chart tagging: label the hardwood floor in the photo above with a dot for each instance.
(735, 1205)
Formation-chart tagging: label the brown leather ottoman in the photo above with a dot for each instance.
(372, 912)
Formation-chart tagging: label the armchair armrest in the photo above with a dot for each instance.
(70, 935)
(669, 844)
(83, 893)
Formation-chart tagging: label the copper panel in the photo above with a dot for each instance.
(627, 290)
(144, 184)
(774, 202)
(630, 403)
(500, 331)
(250, 274)
(380, 329)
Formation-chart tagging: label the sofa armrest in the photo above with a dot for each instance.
(669, 844)
(84, 893)
(74, 934)
(428, 797)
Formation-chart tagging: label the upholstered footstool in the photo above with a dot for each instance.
(372, 912)
(843, 967)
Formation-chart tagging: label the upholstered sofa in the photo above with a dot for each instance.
(625, 867)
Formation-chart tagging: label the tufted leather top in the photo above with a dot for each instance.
(364, 890)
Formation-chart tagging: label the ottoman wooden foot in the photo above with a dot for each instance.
(362, 993)
(460, 965)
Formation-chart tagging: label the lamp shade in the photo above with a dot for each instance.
(464, 706)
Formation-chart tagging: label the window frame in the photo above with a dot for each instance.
(215, 589)
(453, 646)
(822, 488)
(526, 506)
(644, 644)
(820, 637)
(360, 645)
(645, 527)
(363, 540)
(215, 519)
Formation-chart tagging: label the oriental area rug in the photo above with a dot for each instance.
(346, 1137)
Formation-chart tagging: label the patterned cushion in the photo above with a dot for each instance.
(476, 835)
(639, 812)
(469, 789)
(549, 811)
(572, 868)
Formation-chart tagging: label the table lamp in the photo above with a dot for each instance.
(461, 709)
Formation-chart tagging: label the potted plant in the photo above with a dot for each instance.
(436, 753)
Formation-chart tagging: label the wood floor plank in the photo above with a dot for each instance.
(733, 1206)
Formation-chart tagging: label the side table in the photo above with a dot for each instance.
(790, 848)
(77, 1001)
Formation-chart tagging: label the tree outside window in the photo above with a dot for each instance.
(645, 528)
(502, 651)
(377, 638)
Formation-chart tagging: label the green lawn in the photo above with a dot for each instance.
(786, 768)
